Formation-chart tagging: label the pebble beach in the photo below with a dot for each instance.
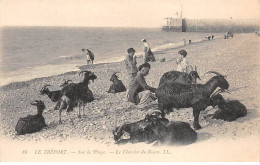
(237, 58)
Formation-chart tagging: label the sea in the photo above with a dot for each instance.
(33, 52)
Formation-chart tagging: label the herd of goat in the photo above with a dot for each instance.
(176, 90)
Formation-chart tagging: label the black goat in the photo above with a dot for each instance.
(76, 94)
(197, 96)
(32, 123)
(138, 131)
(174, 133)
(179, 77)
(153, 128)
(117, 85)
(216, 98)
(53, 95)
(229, 110)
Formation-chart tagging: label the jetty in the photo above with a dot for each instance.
(180, 24)
(211, 25)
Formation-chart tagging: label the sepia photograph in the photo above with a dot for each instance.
(129, 81)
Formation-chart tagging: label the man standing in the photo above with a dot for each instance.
(139, 92)
(130, 62)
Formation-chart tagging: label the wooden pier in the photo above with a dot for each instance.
(211, 25)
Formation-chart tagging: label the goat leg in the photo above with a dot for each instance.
(196, 114)
(79, 116)
(57, 105)
(60, 110)
(83, 111)
(71, 121)
(60, 117)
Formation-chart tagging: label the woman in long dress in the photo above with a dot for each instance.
(148, 54)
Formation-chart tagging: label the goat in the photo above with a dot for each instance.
(176, 95)
(137, 131)
(32, 123)
(76, 94)
(153, 128)
(228, 110)
(117, 85)
(53, 95)
(174, 133)
(179, 77)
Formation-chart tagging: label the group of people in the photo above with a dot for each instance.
(139, 92)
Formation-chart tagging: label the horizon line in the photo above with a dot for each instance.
(1, 26)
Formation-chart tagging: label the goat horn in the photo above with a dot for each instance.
(82, 72)
(225, 90)
(215, 93)
(116, 72)
(34, 102)
(46, 85)
(119, 129)
(154, 111)
(218, 74)
(220, 91)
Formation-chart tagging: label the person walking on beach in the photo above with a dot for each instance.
(139, 92)
(184, 42)
(130, 63)
(89, 56)
(182, 63)
(148, 54)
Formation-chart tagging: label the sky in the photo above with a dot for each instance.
(119, 13)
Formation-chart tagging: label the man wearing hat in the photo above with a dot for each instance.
(139, 92)
(182, 62)
(130, 63)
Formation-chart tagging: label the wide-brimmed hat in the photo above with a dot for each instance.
(143, 40)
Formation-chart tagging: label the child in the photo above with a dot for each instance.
(182, 63)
